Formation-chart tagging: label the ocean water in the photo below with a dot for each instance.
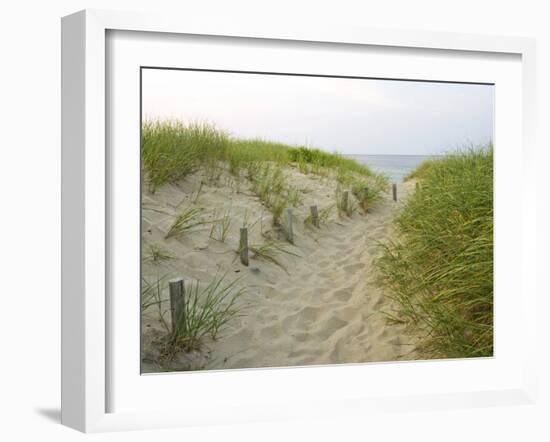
(396, 167)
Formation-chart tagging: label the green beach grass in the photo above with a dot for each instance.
(439, 267)
(171, 150)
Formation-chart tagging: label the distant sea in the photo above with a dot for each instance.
(396, 167)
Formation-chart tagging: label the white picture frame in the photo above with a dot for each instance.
(86, 316)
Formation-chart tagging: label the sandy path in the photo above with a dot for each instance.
(325, 308)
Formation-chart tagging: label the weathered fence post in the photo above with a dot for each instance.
(417, 185)
(288, 226)
(177, 303)
(243, 246)
(365, 201)
(314, 216)
(394, 189)
(345, 201)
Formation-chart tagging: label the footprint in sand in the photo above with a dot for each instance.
(303, 319)
(336, 355)
(358, 237)
(328, 328)
(347, 313)
(376, 303)
(327, 275)
(341, 262)
(305, 277)
(273, 331)
(243, 335)
(352, 268)
(324, 264)
(301, 337)
(395, 341)
(298, 353)
(307, 361)
(341, 246)
(380, 335)
(343, 294)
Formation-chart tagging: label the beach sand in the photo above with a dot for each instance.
(323, 306)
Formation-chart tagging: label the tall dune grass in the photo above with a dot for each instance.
(440, 268)
(319, 159)
(170, 150)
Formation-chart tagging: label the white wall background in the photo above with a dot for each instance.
(30, 219)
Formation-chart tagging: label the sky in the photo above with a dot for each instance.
(350, 116)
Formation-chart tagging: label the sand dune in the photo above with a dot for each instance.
(320, 307)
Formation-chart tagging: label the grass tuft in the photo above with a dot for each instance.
(269, 251)
(151, 295)
(206, 311)
(271, 186)
(156, 255)
(184, 222)
(220, 225)
(369, 191)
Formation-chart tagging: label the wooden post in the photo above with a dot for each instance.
(365, 199)
(288, 226)
(345, 200)
(243, 246)
(314, 216)
(417, 185)
(394, 188)
(177, 302)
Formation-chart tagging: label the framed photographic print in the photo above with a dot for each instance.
(282, 222)
(259, 251)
